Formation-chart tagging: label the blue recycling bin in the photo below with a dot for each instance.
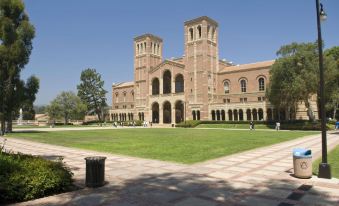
(302, 163)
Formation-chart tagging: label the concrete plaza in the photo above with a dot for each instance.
(257, 177)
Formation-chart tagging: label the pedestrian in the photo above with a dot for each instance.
(251, 125)
(150, 123)
(337, 125)
(277, 126)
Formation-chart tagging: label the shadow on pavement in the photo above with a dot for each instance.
(190, 189)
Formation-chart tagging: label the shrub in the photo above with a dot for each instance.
(188, 123)
(25, 177)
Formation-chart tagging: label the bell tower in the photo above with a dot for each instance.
(147, 54)
(201, 64)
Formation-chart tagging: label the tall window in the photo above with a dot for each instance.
(191, 34)
(261, 84)
(179, 83)
(167, 82)
(155, 86)
(226, 87)
(199, 32)
(243, 85)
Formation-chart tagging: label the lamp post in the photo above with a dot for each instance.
(324, 167)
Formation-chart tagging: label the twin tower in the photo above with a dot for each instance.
(200, 64)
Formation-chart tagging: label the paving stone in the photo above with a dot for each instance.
(238, 169)
(194, 201)
(255, 201)
(279, 193)
(218, 194)
(252, 179)
(222, 175)
(266, 172)
(214, 166)
(226, 162)
(249, 165)
(319, 200)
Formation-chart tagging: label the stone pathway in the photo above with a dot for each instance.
(257, 177)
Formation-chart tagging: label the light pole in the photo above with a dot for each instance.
(324, 167)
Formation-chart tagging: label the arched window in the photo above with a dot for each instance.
(261, 84)
(213, 34)
(179, 83)
(145, 47)
(213, 115)
(154, 49)
(226, 87)
(261, 114)
(194, 115)
(223, 116)
(158, 49)
(155, 86)
(191, 34)
(198, 115)
(116, 97)
(138, 49)
(141, 48)
(167, 82)
(199, 31)
(241, 115)
(243, 85)
(208, 32)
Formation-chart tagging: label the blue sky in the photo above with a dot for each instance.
(78, 34)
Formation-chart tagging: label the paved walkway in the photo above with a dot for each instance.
(257, 177)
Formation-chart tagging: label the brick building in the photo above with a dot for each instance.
(196, 86)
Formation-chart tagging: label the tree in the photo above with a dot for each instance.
(91, 91)
(16, 34)
(30, 90)
(66, 105)
(332, 81)
(294, 76)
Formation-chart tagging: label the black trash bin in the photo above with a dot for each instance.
(95, 171)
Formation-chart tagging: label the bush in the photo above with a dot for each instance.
(25, 177)
(188, 123)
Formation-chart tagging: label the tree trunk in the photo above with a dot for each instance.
(335, 111)
(99, 116)
(2, 127)
(309, 110)
(9, 125)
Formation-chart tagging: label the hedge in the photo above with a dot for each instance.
(26, 177)
(284, 125)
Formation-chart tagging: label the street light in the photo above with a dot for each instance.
(324, 167)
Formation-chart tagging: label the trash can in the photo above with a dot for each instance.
(302, 163)
(95, 171)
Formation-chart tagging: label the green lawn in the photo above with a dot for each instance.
(235, 126)
(177, 145)
(333, 160)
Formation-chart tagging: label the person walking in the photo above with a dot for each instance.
(277, 126)
(251, 125)
(337, 125)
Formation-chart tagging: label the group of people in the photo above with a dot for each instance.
(133, 123)
(277, 125)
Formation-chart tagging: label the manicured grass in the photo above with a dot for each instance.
(235, 126)
(177, 145)
(333, 160)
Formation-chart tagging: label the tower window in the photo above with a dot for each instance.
(191, 34)
(199, 31)
(145, 46)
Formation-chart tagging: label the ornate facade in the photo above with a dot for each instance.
(196, 86)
